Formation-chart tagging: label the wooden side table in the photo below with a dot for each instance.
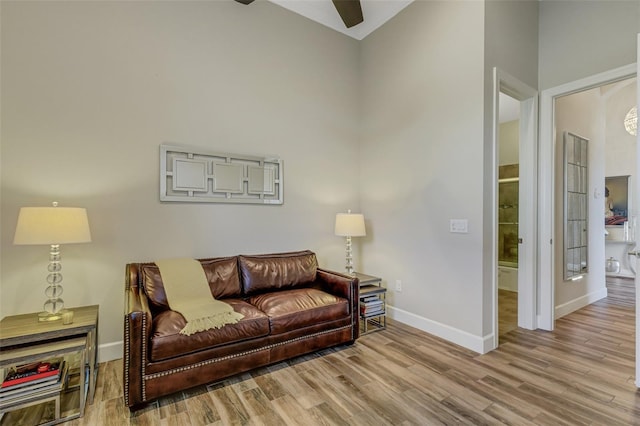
(373, 309)
(23, 339)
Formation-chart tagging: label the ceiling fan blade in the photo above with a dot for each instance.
(349, 10)
(245, 1)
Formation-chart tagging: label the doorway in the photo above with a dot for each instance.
(526, 236)
(546, 179)
(508, 213)
(550, 222)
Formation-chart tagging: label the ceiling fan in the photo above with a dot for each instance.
(349, 10)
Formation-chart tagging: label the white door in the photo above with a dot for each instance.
(527, 219)
(637, 257)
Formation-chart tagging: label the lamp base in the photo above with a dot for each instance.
(47, 316)
(349, 258)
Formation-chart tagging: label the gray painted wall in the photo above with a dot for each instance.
(425, 114)
(396, 126)
(578, 40)
(91, 89)
(582, 38)
(583, 114)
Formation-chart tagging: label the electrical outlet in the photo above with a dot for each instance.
(398, 286)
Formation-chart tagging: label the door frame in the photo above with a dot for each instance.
(637, 259)
(528, 154)
(546, 182)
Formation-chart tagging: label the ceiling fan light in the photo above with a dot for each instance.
(631, 121)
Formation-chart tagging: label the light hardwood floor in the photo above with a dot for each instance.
(507, 311)
(580, 374)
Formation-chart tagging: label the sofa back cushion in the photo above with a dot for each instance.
(266, 272)
(221, 273)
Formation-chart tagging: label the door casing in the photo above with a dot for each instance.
(637, 245)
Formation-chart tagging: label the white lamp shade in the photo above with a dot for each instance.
(52, 225)
(350, 225)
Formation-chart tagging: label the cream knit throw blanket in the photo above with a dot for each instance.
(187, 291)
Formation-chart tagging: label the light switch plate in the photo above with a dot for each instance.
(460, 226)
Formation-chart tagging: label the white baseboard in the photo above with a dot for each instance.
(110, 351)
(580, 302)
(459, 337)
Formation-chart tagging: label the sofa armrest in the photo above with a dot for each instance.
(137, 318)
(339, 284)
(344, 286)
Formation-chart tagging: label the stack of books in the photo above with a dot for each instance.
(371, 306)
(34, 377)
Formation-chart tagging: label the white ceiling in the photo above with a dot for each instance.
(374, 12)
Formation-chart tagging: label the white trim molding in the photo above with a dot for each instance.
(637, 259)
(459, 337)
(580, 302)
(110, 351)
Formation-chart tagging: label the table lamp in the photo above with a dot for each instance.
(350, 225)
(54, 226)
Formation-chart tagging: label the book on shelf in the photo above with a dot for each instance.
(369, 298)
(372, 310)
(36, 372)
(373, 314)
(371, 304)
(29, 388)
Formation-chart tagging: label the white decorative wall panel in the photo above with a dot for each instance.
(190, 174)
(261, 180)
(228, 178)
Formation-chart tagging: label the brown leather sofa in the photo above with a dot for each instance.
(290, 307)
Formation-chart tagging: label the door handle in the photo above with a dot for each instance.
(634, 253)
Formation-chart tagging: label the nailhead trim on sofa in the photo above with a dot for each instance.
(214, 360)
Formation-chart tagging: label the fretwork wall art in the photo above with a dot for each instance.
(191, 174)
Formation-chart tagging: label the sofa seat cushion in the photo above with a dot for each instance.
(167, 342)
(301, 307)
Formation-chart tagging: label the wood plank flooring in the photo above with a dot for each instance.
(507, 311)
(580, 374)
